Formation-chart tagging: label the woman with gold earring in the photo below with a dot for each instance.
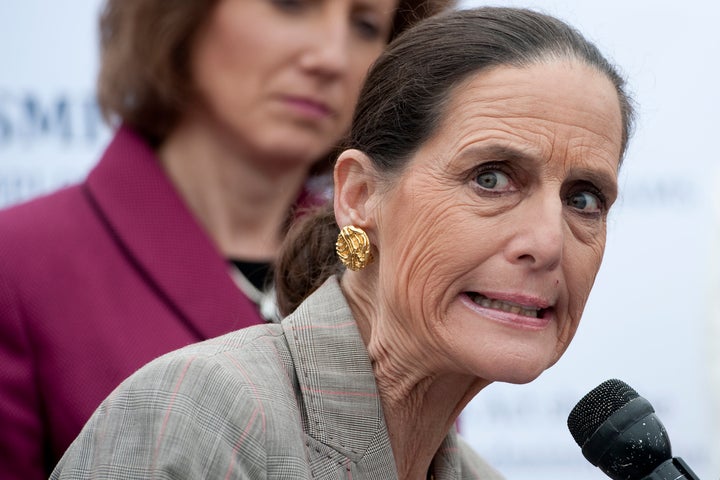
(473, 196)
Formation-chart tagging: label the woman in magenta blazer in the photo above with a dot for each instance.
(223, 110)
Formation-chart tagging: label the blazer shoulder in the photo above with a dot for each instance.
(203, 408)
(52, 230)
(249, 354)
(44, 215)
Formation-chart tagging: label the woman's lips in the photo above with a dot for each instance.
(309, 107)
(528, 314)
(512, 307)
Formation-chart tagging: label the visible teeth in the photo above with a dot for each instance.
(504, 306)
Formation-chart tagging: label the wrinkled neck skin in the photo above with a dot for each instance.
(241, 202)
(421, 403)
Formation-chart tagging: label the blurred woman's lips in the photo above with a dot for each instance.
(309, 107)
(526, 308)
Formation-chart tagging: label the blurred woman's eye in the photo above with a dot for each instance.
(368, 29)
(586, 202)
(493, 180)
(290, 5)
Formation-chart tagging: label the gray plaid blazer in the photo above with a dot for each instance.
(295, 400)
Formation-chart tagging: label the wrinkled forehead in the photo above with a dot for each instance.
(563, 113)
(553, 97)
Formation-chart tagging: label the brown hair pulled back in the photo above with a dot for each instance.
(145, 45)
(402, 102)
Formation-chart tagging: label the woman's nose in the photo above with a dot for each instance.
(327, 53)
(539, 237)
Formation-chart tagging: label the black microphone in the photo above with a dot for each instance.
(619, 433)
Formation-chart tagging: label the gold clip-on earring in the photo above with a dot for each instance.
(353, 248)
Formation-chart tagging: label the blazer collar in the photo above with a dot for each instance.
(334, 372)
(163, 240)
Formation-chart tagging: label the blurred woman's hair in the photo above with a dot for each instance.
(402, 104)
(144, 79)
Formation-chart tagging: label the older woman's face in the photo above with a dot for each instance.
(281, 77)
(490, 241)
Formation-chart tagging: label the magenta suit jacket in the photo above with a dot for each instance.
(96, 280)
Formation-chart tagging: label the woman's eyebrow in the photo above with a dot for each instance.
(601, 178)
(499, 152)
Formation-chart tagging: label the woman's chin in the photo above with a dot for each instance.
(518, 374)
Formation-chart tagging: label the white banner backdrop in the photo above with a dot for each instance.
(647, 321)
(50, 128)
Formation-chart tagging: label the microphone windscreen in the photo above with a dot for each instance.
(595, 408)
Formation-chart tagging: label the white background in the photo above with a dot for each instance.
(50, 131)
(647, 321)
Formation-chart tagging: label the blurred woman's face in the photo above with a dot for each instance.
(490, 242)
(280, 78)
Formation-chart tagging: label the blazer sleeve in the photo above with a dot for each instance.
(182, 418)
(22, 438)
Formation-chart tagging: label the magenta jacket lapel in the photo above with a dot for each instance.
(156, 229)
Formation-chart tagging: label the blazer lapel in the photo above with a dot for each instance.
(163, 240)
(338, 386)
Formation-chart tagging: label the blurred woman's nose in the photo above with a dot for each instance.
(539, 234)
(327, 51)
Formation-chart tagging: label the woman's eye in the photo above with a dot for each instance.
(586, 202)
(288, 4)
(367, 29)
(493, 180)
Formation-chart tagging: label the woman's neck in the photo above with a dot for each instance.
(419, 414)
(241, 205)
(421, 403)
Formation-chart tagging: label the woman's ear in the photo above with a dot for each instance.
(355, 184)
